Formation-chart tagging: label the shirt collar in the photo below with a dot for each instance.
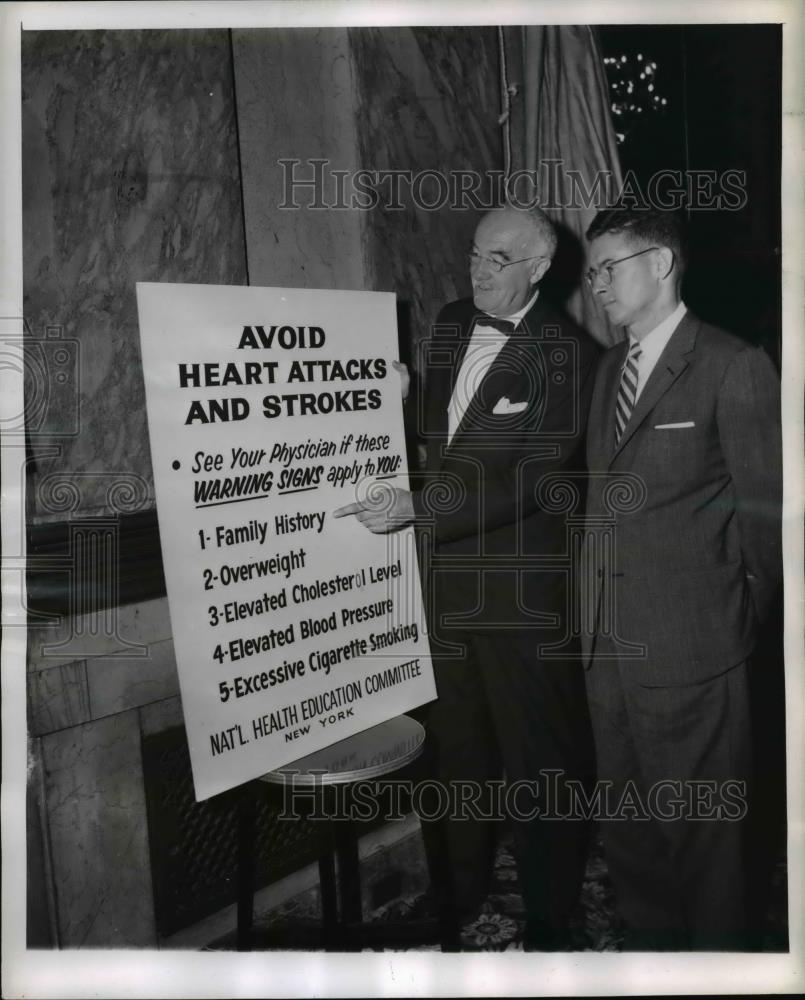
(653, 344)
(516, 317)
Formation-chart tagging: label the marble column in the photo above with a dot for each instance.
(296, 102)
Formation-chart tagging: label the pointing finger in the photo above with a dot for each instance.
(351, 508)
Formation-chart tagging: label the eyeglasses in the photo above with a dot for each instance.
(474, 259)
(605, 271)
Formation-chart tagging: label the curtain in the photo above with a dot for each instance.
(559, 127)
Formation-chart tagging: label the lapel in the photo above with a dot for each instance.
(505, 361)
(441, 379)
(670, 365)
(438, 397)
(464, 342)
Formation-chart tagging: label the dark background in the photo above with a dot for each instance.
(722, 84)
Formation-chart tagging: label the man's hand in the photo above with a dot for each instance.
(405, 378)
(385, 509)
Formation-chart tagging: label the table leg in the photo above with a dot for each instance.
(329, 900)
(349, 876)
(245, 867)
(349, 872)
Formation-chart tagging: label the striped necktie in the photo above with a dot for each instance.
(627, 391)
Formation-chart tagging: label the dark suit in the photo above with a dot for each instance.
(489, 531)
(675, 605)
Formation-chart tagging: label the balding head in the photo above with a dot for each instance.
(524, 241)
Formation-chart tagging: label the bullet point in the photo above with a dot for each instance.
(177, 464)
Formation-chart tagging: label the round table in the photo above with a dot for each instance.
(367, 755)
(370, 754)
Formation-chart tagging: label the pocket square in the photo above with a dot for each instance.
(505, 406)
(675, 427)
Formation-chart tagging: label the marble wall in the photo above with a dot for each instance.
(428, 101)
(89, 852)
(97, 835)
(132, 173)
(404, 99)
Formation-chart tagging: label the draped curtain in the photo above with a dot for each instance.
(558, 101)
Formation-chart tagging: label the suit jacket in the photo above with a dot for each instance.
(480, 502)
(695, 564)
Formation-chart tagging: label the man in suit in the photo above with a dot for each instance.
(508, 383)
(684, 457)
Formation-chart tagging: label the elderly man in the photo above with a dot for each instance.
(508, 382)
(689, 416)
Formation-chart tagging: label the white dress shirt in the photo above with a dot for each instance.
(653, 344)
(485, 344)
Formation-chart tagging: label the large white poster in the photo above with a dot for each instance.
(268, 409)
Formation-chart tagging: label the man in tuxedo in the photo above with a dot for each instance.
(684, 457)
(507, 388)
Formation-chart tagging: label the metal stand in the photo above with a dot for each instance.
(368, 755)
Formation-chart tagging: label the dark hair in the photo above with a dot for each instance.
(644, 227)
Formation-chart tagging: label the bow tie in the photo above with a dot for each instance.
(506, 326)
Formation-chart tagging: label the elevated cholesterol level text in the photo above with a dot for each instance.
(301, 593)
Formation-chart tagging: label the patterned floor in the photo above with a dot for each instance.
(594, 924)
(500, 927)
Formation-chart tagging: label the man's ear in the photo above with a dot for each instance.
(538, 269)
(665, 262)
